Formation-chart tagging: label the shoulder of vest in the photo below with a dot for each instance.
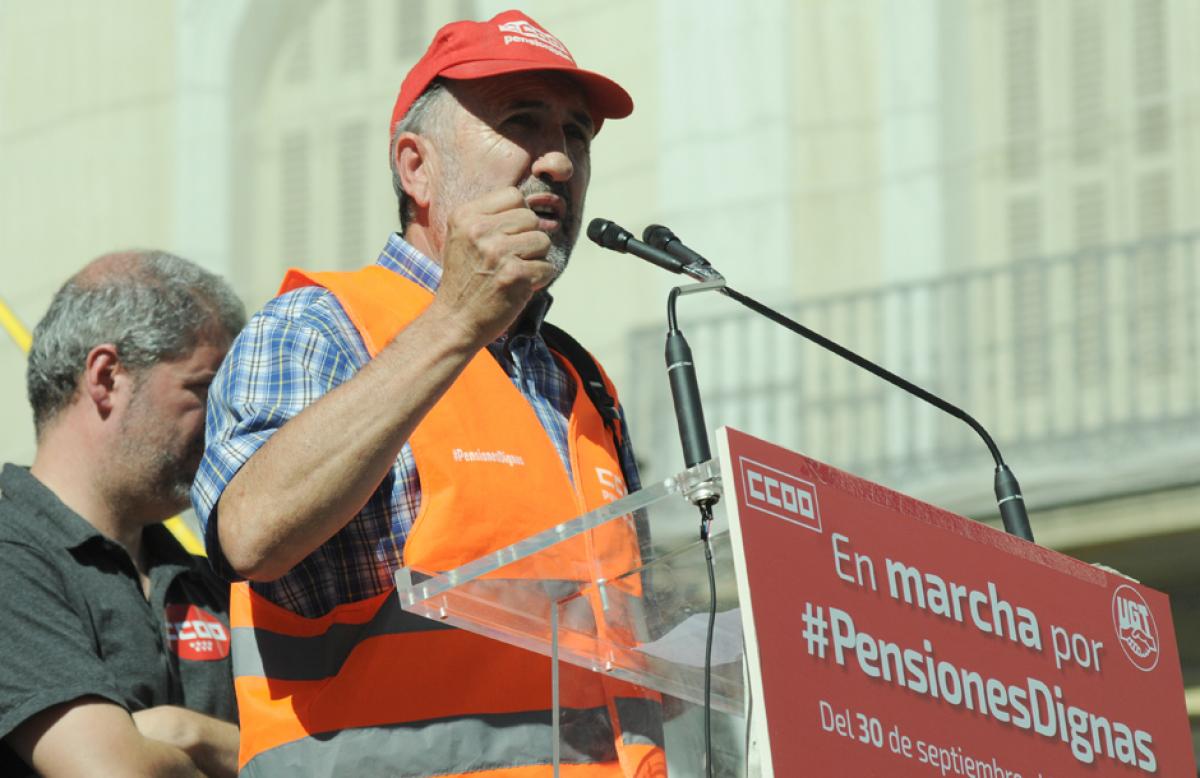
(296, 278)
(378, 301)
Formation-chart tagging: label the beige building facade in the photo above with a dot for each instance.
(997, 198)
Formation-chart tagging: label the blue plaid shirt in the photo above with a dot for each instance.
(297, 348)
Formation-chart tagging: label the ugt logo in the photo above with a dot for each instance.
(1136, 631)
(780, 494)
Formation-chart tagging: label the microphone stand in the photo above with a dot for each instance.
(1008, 492)
(693, 435)
(689, 416)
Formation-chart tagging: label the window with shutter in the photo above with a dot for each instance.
(295, 178)
(352, 194)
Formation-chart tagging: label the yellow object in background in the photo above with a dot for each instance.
(15, 330)
(182, 532)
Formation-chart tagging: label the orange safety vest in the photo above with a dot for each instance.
(372, 689)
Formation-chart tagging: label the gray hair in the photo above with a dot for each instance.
(421, 119)
(151, 305)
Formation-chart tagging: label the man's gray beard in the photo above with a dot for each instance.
(558, 256)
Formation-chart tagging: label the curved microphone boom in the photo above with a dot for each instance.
(1009, 500)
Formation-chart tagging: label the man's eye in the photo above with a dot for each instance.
(520, 120)
(576, 133)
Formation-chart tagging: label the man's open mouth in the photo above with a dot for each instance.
(551, 210)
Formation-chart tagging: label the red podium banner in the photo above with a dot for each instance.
(889, 637)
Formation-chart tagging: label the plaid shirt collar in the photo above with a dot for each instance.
(403, 258)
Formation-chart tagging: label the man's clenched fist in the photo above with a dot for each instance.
(494, 259)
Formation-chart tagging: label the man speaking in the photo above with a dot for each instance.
(414, 413)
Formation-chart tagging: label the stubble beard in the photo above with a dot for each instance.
(159, 470)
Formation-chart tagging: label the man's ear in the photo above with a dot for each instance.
(416, 163)
(103, 376)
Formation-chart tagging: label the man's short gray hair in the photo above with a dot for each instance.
(421, 119)
(151, 305)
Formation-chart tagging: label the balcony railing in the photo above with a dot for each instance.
(1063, 358)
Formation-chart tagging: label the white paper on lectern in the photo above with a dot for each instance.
(685, 643)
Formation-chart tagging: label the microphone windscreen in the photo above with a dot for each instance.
(609, 234)
(596, 229)
(658, 236)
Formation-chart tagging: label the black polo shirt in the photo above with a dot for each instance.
(75, 621)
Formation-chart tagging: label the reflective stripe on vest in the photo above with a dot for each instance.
(425, 749)
(372, 689)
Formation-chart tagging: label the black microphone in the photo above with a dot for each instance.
(662, 238)
(685, 395)
(613, 236)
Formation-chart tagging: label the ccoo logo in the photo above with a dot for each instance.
(524, 32)
(194, 633)
(780, 494)
(1134, 624)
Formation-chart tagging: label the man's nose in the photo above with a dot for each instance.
(553, 165)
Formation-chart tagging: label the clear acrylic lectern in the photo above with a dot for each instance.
(575, 595)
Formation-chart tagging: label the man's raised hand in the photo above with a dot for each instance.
(493, 261)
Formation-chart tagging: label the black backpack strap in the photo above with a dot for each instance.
(589, 372)
(593, 383)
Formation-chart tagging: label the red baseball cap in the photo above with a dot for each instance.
(510, 42)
